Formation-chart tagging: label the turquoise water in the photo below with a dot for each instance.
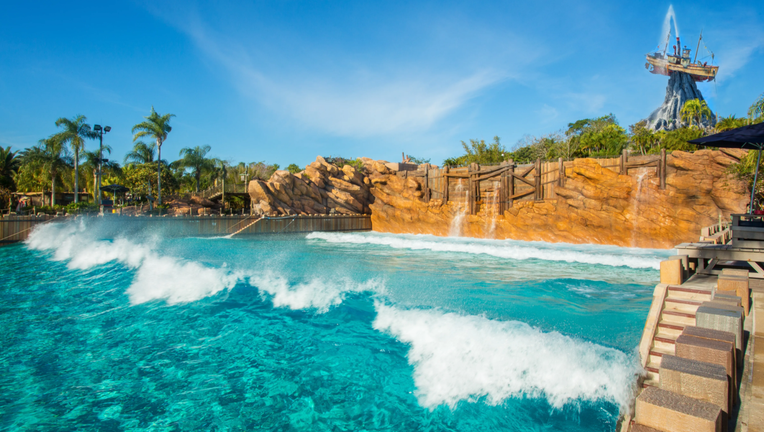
(104, 330)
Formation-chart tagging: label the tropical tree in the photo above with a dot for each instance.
(756, 111)
(91, 165)
(9, 166)
(195, 159)
(695, 109)
(75, 132)
(642, 138)
(727, 123)
(141, 153)
(157, 127)
(293, 168)
(49, 156)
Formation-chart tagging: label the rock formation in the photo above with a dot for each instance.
(681, 88)
(322, 188)
(596, 205)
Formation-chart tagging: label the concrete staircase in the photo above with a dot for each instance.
(679, 309)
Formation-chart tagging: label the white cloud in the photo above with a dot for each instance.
(349, 102)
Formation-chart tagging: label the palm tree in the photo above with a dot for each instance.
(157, 127)
(142, 153)
(756, 111)
(731, 122)
(9, 164)
(695, 109)
(91, 164)
(194, 158)
(74, 133)
(49, 156)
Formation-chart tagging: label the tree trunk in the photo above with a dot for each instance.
(76, 176)
(53, 192)
(197, 182)
(159, 172)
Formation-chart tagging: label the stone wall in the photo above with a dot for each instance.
(596, 205)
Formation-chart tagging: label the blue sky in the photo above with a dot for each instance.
(284, 81)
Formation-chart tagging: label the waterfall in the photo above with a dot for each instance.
(635, 205)
(493, 211)
(458, 220)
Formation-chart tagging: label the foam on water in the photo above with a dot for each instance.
(314, 293)
(456, 357)
(509, 249)
(469, 358)
(175, 280)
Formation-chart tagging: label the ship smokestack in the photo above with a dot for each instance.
(678, 47)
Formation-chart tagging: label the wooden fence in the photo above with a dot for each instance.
(495, 188)
(15, 228)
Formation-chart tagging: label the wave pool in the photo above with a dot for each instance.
(108, 330)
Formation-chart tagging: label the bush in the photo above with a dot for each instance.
(341, 162)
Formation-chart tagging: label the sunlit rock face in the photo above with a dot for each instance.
(597, 205)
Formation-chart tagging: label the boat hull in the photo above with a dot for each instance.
(699, 72)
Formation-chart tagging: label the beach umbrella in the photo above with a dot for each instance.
(746, 137)
(114, 188)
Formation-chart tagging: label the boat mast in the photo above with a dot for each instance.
(696, 49)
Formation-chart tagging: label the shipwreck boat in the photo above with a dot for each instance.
(662, 64)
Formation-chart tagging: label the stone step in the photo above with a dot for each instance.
(689, 293)
(664, 341)
(669, 411)
(656, 354)
(671, 327)
(650, 383)
(683, 304)
(678, 316)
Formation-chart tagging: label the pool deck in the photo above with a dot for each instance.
(697, 312)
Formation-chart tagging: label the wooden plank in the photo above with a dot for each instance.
(663, 168)
(624, 157)
(561, 177)
(445, 185)
(522, 194)
(510, 182)
(538, 195)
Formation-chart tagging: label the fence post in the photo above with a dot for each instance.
(624, 159)
(662, 165)
(445, 185)
(427, 183)
(538, 180)
(561, 179)
(511, 181)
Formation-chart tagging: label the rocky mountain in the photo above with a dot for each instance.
(681, 88)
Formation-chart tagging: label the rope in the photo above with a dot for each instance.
(15, 234)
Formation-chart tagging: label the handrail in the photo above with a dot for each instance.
(214, 190)
(230, 229)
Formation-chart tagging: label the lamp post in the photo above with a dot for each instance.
(245, 179)
(100, 132)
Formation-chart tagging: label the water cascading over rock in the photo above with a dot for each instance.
(681, 88)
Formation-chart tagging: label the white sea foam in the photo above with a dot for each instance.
(163, 277)
(466, 358)
(510, 249)
(316, 293)
(158, 277)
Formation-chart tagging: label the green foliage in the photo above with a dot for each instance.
(677, 139)
(9, 166)
(694, 110)
(293, 168)
(195, 160)
(418, 161)
(756, 111)
(731, 122)
(478, 151)
(82, 207)
(455, 162)
(341, 162)
(141, 179)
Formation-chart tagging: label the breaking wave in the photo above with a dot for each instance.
(470, 358)
(509, 249)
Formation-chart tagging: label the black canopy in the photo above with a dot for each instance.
(114, 188)
(746, 137)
